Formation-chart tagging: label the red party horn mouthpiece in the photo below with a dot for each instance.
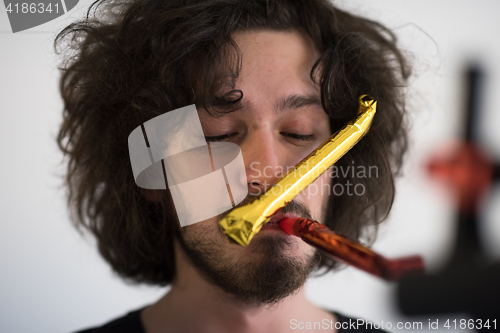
(350, 252)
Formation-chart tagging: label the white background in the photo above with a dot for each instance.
(52, 279)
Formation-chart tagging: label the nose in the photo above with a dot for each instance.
(264, 161)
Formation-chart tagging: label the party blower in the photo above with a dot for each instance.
(242, 223)
(352, 253)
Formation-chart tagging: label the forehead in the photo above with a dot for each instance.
(275, 63)
(276, 47)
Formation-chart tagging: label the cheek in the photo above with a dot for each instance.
(201, 231)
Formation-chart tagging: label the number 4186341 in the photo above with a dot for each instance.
(471, 324)
(32, 8)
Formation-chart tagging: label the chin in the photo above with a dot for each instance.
(277, 245)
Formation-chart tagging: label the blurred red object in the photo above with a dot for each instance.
(467, 169)
(350, 252)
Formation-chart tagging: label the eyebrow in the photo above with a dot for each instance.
(290, 102)
(295, 101)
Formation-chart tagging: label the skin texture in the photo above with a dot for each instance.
(273, 135)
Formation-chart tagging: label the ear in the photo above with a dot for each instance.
(152, 195)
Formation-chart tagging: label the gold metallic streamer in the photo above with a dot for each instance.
(242, 223)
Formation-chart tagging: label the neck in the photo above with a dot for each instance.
(195, 305)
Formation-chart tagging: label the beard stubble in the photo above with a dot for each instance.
(267, 274)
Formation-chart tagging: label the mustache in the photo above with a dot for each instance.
(297, 208)
(293, 207)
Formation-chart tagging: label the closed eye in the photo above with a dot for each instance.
(220, 138)
(295, 136)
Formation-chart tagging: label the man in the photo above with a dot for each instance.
(275, 77)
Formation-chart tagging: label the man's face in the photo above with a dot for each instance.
(281, 121)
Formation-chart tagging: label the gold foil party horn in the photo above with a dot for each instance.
(242, 223)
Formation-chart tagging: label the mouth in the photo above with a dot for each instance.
(273, 224)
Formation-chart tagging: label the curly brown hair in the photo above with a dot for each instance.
(129, 61)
